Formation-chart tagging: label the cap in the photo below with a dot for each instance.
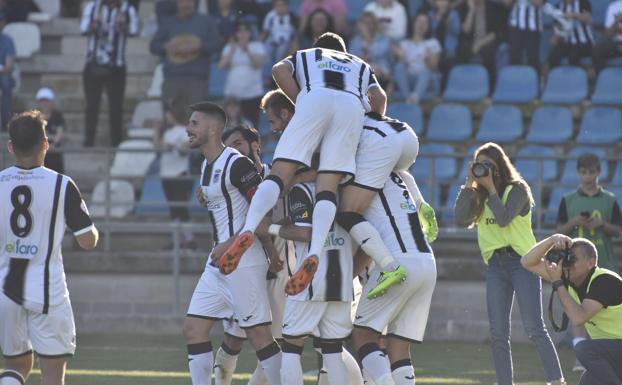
(45, 93)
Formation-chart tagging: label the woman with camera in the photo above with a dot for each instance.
(498, 201)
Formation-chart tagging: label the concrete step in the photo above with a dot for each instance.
(70, 85)
(60, 26)
(51, 63)
(76, 45)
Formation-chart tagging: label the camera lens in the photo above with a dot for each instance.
(479, 170)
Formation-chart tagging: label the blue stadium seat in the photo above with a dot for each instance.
(447, 211)
(617, 176)
(450, 122)
(599, 10)
(408, 113)
(565, 85)
(569, 174)
(267, 150)
(516, 84)
(263, 125)
(608, 88)
(500, 124)
(616, 61)
(601, 125)
(546, 117)
(467, 83)
(217, 78)
(529, 167)
(431, 194)
(555, 198)
(413, 7)
(152, 201)
(355, 9)
(444, 167)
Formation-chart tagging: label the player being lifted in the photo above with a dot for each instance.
(332, 90)
(37, 205)
(228, 180)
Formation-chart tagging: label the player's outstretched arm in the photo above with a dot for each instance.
(88, 240)
(282, 74)
(377, 100)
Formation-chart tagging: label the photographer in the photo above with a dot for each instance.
(498, 201)
(591, 296)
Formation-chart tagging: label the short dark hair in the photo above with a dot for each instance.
(276, 100)
(250, 134)
(211, 109)
(588, 160)
(26, 131)
(587, 246)
(330, 40)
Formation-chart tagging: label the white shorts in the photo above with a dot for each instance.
(249, 294)
(404, 310)
(277, 297)
(377, 156)
(211, 298)
(329, 119)
(327, 320)
(51, 335)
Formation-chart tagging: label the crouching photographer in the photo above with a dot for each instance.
(591, 296)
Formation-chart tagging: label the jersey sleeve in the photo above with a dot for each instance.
(373, 81)
(244, 176)
(606, 290)
(76, 214)
(300, 206)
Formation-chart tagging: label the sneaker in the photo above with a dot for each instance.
(303, 277)
(386, 280)
(578, 366)
(231, 258)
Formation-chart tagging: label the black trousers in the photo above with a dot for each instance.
(94, 84)
(524, 42)
(177, 191)
(604, 50)
(54, 160)
(574, 53)
(487, 55)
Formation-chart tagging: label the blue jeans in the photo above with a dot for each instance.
(424, 84)
(6, 87)
(603, 361)
(504, 277)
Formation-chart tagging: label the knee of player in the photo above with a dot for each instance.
(349, 219)
(232, 343)
(259, 336)
(196, 329)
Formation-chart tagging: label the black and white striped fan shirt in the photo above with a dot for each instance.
(581, 32)
(526, 16)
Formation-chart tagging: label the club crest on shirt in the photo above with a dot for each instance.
(216, 177)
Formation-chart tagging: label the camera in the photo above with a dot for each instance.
(481, 169)
(564, 256)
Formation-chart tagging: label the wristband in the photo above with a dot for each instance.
(557, 284)
(274, 229)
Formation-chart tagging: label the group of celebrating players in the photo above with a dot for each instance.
(337, 213)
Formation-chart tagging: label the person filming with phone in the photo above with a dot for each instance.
(499, 203)
(591, 296)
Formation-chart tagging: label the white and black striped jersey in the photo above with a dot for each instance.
(36, 206)
(326, 68)
(581, 32)
(384, 125)
(227, 185)
(526, 16)
(333, 279)
(394, 214)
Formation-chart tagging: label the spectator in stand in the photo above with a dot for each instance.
(445, 27)
(374, 48)
(233, 109)
(185, 43)
(7, 61)
(54, 129)
(336, 8)
(483, 30)
(320, 22)
(392, 17)
(416, 71)
(524, 37)
(611, 45)
(243, 58)
(575, 42)
(227, 16)
(107, 24)
(279, 31)
(177, 184)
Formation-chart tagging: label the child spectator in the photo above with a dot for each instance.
(392, 17)
(54, 129)
(279, 31)
(576, 41)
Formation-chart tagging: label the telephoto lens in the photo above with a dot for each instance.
(479, 170)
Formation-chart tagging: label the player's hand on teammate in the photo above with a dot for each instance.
(201, 197)
(276, 265)
(427, 217)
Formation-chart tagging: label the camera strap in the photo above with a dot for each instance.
(564, 324)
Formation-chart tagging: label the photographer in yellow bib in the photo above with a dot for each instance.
(591, 297)
(498, 202)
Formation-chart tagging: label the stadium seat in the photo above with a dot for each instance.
(565, 85)
(413, 6)
(146, 110)
(216, 84)
(152, 200)
(121, 199)
(133, 158)
(155, 89)
(140, 133)
(600, 125)
(26, 36)
(263, 126)
(467, 83)
(516, 84)
(608, 87)
(444, 166)
(447, 211)
(569, 174)
(51, 7)
(408, 113)
(528, 168)
(450, 122)
(617, 176)
(546, 117)
(555, 198)
(500, 124)
(599, 11)
(355, 9)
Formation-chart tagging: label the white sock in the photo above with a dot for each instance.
(258, 377)
(291, 369)
(200, 362)
(336, 368)
(378, 368)
(323, 217)
(576, 340)
(404, 375)
(265, 198)
(270, 358)
(11, 377)
(224, 367)
(368, 237)
(354, 372)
